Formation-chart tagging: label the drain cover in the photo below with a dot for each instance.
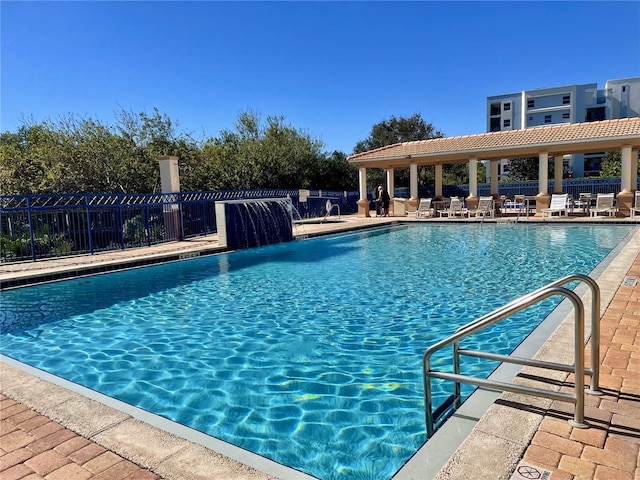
(630, 281)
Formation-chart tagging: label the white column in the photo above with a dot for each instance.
(473, 177)
(390, 184)
(362, 179)
(438, 174)
(634, 170)
(494, 177)
(557, 173)
(543, 172)
(413, 180)
(625, 180)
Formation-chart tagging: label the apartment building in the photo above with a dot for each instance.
(567, 104)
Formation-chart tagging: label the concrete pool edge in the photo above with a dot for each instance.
(460, 445)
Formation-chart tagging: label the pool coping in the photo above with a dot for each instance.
(426, 463)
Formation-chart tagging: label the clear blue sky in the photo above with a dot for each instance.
(332, 69)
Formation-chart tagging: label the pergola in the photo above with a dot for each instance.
(542, 142)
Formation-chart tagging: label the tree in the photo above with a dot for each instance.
(523, 169)
(76, 155)
(398, 130)
(611, 165)
(391, 131)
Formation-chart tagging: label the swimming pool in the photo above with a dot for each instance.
(307, 353)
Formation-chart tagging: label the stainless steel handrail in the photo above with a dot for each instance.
(594, 386)
(498, 315)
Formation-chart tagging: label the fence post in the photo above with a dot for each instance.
(89, 232)
(146, 223)
(31, 233)
(121, 222)
(204, 215)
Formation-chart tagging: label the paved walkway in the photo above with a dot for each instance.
(33, 446)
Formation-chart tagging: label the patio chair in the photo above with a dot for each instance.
(455, 208)
(514, 206)
(604, 205)
(558, 205)
(584, 202)
(485, 208)
(636, 204)
(424, 208)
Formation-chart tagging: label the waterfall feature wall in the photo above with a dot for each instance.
(252, 223)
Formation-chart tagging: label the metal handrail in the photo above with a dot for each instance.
(504, 312)
(594, 371)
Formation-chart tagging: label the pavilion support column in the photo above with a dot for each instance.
(557, 173)
(634, 170)
(472, 199)
(625, 197)
(543, 199)
(438, 181)
(363, 202)
(495, 164)
(391, 187)
(412, 204)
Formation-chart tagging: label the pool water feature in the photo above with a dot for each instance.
(254, 222)
(278, 351)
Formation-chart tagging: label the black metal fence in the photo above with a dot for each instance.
(42, 226)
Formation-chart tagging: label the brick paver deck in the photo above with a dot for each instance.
(33, 447)
(609, 450)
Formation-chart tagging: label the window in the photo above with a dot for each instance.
(566, 100)
(506, 123)
(531, 103)
(495, 125)
(624, 88)
(566, 116)
(507, 106)
(547, 119)
(495, 109)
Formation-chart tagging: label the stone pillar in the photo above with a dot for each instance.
(625, 197)
(170, 184)
(557, 173)
(412, 204)
(363, 202)
(543, 199)
(472, 199)
(438, 175)
(169, 174)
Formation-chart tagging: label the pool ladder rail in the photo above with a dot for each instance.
(454, 401)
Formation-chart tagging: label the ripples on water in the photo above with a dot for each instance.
(308, 353)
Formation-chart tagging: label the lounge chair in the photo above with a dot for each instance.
(558, 205)
(604, 204)
(485, 208)
(424, 208)
(455, 208)
(636, 204)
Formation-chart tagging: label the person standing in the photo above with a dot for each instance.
(383, 200)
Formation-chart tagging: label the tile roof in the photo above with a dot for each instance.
(565, 139)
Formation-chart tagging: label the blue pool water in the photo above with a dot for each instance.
(308, 353)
